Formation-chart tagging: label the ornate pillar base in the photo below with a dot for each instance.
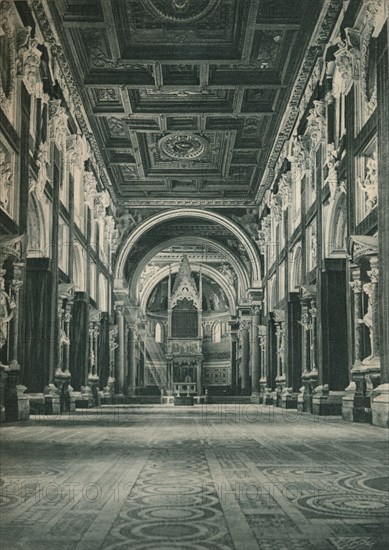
(304, 400)
(84, 398)
(66, 394)
(52, 400)
(355, 405)
(327, 403)
(301, 400)
(17, 405)
(93, 383)
(255, 397)
(380, 406)
(3, 381)
(288, 399)
(108, 392)
(267, 397)
(280, 384)
(262, 389)
(17, 408)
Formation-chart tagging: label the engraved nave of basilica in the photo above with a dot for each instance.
(194, 205)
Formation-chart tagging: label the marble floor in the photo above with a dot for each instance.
(204, 477)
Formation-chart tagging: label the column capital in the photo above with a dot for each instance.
(244, 324)
(279, 315)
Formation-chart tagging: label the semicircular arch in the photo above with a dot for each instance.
(242, 276)
(156, 219)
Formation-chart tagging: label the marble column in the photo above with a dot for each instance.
(93, 379)
(245, 358)
(16, 285)
(372, 321)
(112, 347)
(304, 397)
(66, 354)
(304, 322)
(255, 353)
(121, 351)
(132, 338)
(313, 340)
(264, 390)
(234, 381)
(356, 286)
(279, 322)
(355, 403)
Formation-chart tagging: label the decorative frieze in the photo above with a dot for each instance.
(312, 83)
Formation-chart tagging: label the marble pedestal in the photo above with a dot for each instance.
(380, 406)
(288, 399)
(15, 403)
(326, 403)
(355, 406)
(52, 400)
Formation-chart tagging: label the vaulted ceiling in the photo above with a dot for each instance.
(185, 96)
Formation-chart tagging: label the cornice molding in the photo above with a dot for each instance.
(66, 74)
(324, 26)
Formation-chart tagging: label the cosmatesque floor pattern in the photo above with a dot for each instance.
(201, 478)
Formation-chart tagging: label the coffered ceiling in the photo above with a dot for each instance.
(185, 96)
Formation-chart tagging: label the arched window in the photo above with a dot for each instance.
(158, 333)
(216, 333)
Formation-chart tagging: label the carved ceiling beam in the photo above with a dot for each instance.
(110, 29)
(272, 26)
(250, 30)
(238, 100)
(254, 79)
(204, 75)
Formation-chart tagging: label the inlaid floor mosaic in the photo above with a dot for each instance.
(197, 478)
